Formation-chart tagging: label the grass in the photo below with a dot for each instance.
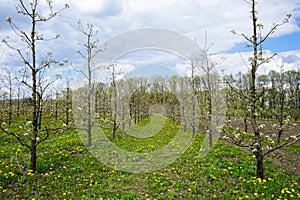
(66, 170)
(294, 148)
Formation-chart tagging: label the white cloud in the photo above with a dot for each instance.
(188, 17)
(103, 7)
(238, 62)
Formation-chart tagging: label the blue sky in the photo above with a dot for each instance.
(283, 43)
(193, 19)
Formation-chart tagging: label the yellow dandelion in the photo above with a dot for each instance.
(11, 173)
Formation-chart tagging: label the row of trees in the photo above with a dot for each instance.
(131, 100)
(281, 94)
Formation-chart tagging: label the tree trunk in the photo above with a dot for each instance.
(89, 120)
(253, 114)
(33, 156)
(245, 124)
(259, 165)
(56, 109)
(279, 134)
(89, 133)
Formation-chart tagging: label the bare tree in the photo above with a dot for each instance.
(10, 87)
(210, 82)
(90, 51)
(35, 133)
(113, 73)
(68, 102)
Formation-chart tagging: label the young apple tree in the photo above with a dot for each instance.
(32, 132)
(259, 143)
(89, 51)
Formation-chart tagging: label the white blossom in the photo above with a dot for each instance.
(256, 144)
(225, 137)
(261, 126)
(294, 137)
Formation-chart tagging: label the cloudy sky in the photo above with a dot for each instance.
(207, 22)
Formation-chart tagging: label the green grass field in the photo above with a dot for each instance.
(66, 170)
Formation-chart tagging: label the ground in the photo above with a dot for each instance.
(66, 170)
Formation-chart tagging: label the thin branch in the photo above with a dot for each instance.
(286, 20)
(24, 8)
(19, 138)
(286, 143)
(247, 38)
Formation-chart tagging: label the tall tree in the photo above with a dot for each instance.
(256, 139)
(210, 82)
(35, 133)
(89, 52)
